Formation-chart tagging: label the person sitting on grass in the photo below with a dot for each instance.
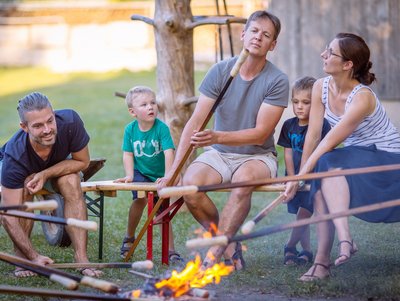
(49, 151)
(148, 151)
(292, 138)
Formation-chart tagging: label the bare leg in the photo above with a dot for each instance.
(339, 200)
(135, 214)
(199, 204)
(75, 207)
(19, 230)
(300, 234)
(325, 234)
(238, 205)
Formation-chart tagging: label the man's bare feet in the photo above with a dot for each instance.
(91, 272)
(42, 260)
(22, 273)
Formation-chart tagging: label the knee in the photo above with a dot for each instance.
(70, 186)
(70, 180)
(242, 194)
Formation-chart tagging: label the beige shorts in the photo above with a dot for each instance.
(227, 163)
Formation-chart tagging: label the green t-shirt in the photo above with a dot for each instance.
(148, 147)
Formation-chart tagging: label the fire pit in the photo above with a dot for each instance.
(184, 285)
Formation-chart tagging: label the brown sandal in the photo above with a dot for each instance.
(353, 250)
(312, 277)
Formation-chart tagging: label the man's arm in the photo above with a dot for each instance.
(267, 119)
(79, 161)
(203, 107)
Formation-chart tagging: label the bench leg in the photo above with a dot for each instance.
(149, 252)
(165, 234)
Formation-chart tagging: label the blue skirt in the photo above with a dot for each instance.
(365, 189)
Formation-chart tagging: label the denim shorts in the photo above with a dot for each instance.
(139, 177)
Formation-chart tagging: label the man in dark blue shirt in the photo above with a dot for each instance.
(49, 151)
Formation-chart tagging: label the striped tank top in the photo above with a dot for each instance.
(374, 129)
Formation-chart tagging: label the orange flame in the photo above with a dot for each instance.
(212, 231)
(194, 277)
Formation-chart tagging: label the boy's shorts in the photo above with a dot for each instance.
(301, 199)
(227, 163)
(139, 177)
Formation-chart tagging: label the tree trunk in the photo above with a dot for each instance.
(175, 64)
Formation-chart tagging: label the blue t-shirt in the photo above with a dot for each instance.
(293, 135)
(20, 160)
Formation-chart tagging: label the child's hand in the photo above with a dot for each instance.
(127, 179)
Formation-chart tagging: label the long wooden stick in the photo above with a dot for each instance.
(42, 205)
(224, 240)
(105, 286)
(87, 225)
(64, 281)
(248, 226)
(17, 290)
(235, 70)
(138, 265)
(191, 189)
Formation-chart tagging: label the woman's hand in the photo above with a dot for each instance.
(290, 191)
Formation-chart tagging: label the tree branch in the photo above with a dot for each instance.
(142, 18)
(219, 20)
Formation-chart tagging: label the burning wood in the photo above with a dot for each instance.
(188, 282)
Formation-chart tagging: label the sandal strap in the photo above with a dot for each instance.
(293, 250)
(315, 265)
(306, 253)
(345, 241)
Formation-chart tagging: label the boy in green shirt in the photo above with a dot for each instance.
(148, 151)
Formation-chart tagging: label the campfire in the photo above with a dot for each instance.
(187, 282)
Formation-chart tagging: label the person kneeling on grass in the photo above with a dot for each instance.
(292, 138)
(148, 151)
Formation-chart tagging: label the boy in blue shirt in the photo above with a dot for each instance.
(292, 137)
(148, 152)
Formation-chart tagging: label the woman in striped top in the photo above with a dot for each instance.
(360, 123)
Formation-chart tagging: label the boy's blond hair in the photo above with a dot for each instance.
(304, 83)
(135, 92)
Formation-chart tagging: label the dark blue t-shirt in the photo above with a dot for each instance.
(20, 160)
(293, 135)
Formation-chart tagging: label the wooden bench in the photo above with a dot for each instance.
(110, 189)
(102, 189)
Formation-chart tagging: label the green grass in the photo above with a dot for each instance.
(372, 273)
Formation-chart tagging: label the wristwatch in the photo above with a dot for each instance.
(301, 184)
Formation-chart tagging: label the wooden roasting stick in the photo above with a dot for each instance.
(235, 70)
(64, 281)
(17, 290)
(248, 226)
(105, 286)
(138, 265)
(191, 189)
(30, 206)
(87, 225)
(224, 240)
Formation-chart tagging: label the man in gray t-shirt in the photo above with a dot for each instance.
(242, 143)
